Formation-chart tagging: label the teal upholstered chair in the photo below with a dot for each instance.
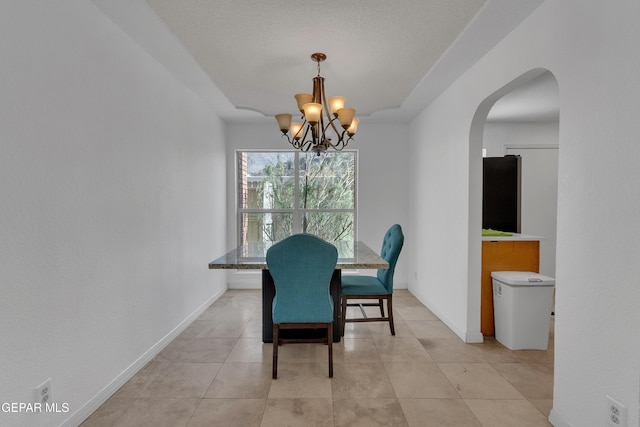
(301, 266)
(379, 287)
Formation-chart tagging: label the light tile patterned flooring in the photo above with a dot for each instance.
(218, 373)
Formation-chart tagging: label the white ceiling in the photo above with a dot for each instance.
(248, 58)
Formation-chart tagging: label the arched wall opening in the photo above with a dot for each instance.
(477, 143)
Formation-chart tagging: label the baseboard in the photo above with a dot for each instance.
(474, 337)
(94, 403)
(557, 421)
(467, 337)
(245, 279)
(454, 328)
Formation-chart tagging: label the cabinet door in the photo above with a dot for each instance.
(503, 255)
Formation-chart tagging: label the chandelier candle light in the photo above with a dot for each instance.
(315, 125)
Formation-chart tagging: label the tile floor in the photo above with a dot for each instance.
(218, 373)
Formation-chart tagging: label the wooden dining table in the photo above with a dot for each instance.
(351, 256)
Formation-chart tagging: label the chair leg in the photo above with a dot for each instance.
(390, 313)
(344, 314)
(381, 307)
(274, 373)
(330, 345)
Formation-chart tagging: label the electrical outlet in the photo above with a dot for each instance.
(616, 413)
(43, 392)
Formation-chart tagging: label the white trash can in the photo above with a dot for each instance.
(522, 303)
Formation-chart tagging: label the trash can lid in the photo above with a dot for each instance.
(523, 278)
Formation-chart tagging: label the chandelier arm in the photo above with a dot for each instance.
(304, 144)
(344, 141)
(297, 143)
(306, 126)
(307, 145)
(327, 112)
(292, 141)
(335, 129)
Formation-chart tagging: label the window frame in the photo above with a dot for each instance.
(296, 211)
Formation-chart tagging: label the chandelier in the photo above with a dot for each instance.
(318, 132)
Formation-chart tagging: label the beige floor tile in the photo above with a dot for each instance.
(304, 380)
(405, 299)
(228, 413)
(451, 350)
(357, 330)
(381, 329)
(218, 372)
(543, 405)
(501, 413)
(478, 381)
(253, 328)
(494, 352)
(398, 349)
(144, 413)
(180, 380)
(430, 329)
(377, 329)
(361, 380)
(141, 380)
(251, 298)
(226, 328)
(298, 412)
(355, 350)
(303, 352)
(368, 413)
(536, 356)
(241, 381)
(109, 412)
(533, 380)
(415, 313)
(251, 351)
(438, 412)
(218, 312)
(419, 380)
(185, 349)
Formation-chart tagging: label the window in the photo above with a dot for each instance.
(286, 192)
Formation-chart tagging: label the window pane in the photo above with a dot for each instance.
(273, 204)
(327, 181)
(330, 226)
(265, 180)
(265, 227)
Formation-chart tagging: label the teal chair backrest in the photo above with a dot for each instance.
(391, 247)
(301, 266)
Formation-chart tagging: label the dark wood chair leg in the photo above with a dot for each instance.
(390, 313)
(344, 314)
(381, 307)
(330, 345)
(274, 373)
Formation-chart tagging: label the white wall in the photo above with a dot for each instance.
(382, 195)
(111, 175)
(499, 134)
(597, 329)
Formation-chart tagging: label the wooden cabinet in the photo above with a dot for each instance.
(503, 255)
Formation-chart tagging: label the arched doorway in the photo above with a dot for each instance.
(520, 118)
